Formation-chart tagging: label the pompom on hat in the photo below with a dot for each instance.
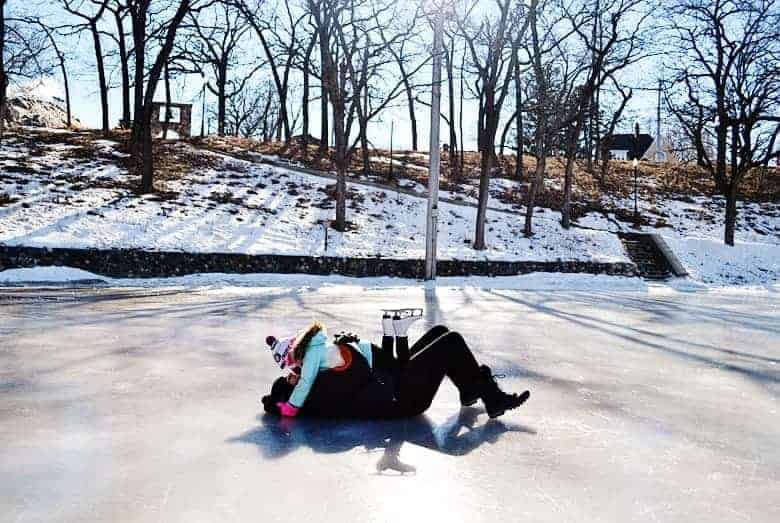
(287, 351)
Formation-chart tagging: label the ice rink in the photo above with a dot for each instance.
(142, 406)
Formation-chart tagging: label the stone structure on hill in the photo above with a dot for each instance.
(179, 120)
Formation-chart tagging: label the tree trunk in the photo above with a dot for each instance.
(168, 100)
(324, 95)
(341, 168)
(413, 119)
(410, 102)
(305, 110)
(460, 118)
(363, 116)
(504, 134)
(125, 70)
(139, 52)
(66, 85)
(486, 164)
(541, 164)
(519, 167)
(306, 96)
(731, 214)
(453, 160)
(101, 77)
(147, 161)
(146, 158)
(221, 98)
(571, 154)
(3, 75)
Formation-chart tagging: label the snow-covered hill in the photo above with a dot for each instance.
(54, 194)
(55, 200)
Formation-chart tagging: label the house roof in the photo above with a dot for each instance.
(625, 142)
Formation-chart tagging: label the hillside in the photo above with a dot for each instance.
(34, 111)
(61, 189)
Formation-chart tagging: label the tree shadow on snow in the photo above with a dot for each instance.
(458, 436)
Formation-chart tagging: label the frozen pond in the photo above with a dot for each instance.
(142, 405)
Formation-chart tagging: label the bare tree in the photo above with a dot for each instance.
(602, 146)
(52, 37)
(120, 12)
(399, 48)
(169, 19)
(280, 53)
(91, 12)
(214, 50)
(728, 80)
(307, 72)
(492, 43)
(251, 113)
(22, 49)
(354, 56)
(617, 46)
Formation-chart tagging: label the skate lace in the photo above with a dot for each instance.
(494, 381)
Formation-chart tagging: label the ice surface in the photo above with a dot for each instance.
(142, 405)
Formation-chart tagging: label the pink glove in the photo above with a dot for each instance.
(287, 410)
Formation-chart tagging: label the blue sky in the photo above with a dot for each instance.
(86, 101)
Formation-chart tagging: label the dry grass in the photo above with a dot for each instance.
(656, 181)
(174, 159)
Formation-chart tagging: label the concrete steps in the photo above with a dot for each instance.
(648, 257)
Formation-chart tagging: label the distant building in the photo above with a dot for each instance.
(625, 147)
(660, 153)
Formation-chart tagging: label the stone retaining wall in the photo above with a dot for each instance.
(135, 263)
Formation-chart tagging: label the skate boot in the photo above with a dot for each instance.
(387, 324)
(403, 319)
(496, 401)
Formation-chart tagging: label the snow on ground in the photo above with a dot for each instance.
(57, 200)
(259, 209)
(48, 275)
(713, 262)
(536, 281)
(694, 227)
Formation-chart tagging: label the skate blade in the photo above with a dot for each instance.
(402, 313)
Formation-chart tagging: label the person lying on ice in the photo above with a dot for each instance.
(352, 378)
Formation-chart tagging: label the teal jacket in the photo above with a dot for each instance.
(321, 356)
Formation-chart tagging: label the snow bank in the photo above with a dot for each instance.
(531, 282)
(713, 262)
(47, 275)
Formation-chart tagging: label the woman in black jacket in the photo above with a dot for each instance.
(402, 386)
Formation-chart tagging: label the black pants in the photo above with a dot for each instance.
(402, 345)
(437, 354)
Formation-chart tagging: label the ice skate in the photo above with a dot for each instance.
(402, 319)
(496, 401)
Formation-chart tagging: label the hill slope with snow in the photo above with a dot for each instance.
(71, 190)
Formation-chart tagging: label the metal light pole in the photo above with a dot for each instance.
(432, 228)
(392, 131)
(203, 109)
(636, 176)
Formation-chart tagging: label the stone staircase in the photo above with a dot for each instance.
(648, 257)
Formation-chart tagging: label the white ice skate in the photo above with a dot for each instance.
(401, 319)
